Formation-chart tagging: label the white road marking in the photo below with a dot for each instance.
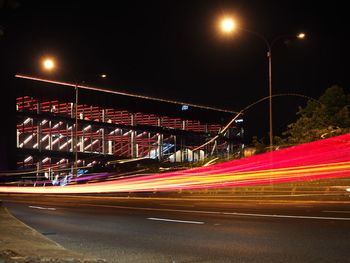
(224, 213)
(289, 216)
(42, 208)
(227, 213)
(175, 221)
(334, 211)
(212, 212)
(177, 205)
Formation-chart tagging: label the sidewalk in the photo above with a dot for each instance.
(21, 243)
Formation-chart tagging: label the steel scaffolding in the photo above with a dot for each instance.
(46, 132)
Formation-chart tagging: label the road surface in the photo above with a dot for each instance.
(203, 229)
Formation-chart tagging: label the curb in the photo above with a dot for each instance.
(22, 244)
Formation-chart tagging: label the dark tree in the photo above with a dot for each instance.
(327, 117)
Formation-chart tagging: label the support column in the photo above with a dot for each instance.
(132, 137)
(39, 135)
(175, 159)
(149, 144)
(160, 142)
(50, 135)
(38, 169)
(104, 141)
(160, 147)
(39, 128)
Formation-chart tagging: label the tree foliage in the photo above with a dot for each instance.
(259, 145)
(326, 117)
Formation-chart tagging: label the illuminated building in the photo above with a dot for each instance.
(108, 129)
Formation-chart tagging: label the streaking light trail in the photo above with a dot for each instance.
(327, 158)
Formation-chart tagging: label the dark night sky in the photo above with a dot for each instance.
(172, 49)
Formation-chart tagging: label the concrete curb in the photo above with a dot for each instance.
(21, 243)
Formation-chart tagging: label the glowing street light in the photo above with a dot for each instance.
(48, 64)
(301, 35)
(228, 25)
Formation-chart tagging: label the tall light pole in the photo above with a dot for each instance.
(49, 65)
(228, 25)
(76, 130)
(75, 144)
(269, 57)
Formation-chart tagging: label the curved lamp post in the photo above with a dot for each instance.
(228, 25)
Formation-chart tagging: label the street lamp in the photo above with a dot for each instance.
(228, 25)
(49, 64)
(75, 144)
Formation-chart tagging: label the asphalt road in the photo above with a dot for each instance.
(190, 230)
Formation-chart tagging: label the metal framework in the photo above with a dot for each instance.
(46, 136)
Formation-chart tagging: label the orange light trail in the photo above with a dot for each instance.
(323, 159)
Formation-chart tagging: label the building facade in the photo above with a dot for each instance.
(53, 135)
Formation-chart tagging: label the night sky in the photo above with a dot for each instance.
(172, 49)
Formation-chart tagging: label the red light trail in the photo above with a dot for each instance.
(327, 158)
